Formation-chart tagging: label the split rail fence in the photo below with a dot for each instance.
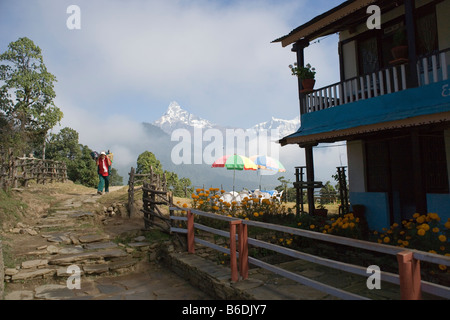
(154, 195)
(15, 171)
(409, 278)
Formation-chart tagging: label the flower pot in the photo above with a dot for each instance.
(400, 53)
(308, 85)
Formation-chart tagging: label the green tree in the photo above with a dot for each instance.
(146, 160)
(26, 96)
(63, 145)
(180, 187)
(327, 193)
(83, 169)
(115, 179)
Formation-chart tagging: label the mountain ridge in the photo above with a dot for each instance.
(178, 118)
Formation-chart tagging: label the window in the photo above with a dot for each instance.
(426, 33)
(368, 55)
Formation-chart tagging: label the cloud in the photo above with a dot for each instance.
(131, 58)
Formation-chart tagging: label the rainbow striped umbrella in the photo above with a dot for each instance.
(235, 162)
(268, 163)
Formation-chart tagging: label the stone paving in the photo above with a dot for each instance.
(107, 269)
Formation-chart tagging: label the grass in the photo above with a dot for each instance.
(12, 209)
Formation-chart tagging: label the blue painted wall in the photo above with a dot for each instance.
(377, 208)
(440, 204)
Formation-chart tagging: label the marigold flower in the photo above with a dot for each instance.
(442, 238)
(442, 267)
(421, 232)
(435, 229)
(420, 219)
(185, 205)
(386, 239)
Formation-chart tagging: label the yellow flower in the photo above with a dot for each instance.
(386, 240)
(185, 205)
(442, 238)
(447, 224)
(416, 215)
(421, 232)
(255, 214)
(435, 230)
(434, 216)
(312, 226)
(420, 219)
(442, 267)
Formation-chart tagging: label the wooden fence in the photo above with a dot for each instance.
(154, 194)
(408, 278)
(15, 171)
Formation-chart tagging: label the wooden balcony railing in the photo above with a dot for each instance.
(430, 69)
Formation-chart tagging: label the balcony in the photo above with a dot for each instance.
(430, 69)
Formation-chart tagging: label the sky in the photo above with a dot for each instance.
(130, 59)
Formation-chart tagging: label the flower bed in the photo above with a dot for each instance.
(422, 232)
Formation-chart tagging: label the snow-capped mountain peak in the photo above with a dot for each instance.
(176, 117)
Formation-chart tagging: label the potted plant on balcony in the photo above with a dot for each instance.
(400, 48)
(307, 74)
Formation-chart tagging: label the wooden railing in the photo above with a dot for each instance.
(384, 81)
(15, 171)
(155, 192)
(409, 279)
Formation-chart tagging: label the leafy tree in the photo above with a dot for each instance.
(146, 160)
(83, 169)
(327, 193)
(26, 96)
(63, 145)
(115, 179)
(180, 187)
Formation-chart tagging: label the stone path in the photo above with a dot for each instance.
(68, 239)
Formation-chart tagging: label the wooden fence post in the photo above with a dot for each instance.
(233, 262)
(409, 272)
(243, 250)
(190, 234)
(131, 193)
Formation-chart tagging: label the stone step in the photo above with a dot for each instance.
(32, 274)
(91, 255)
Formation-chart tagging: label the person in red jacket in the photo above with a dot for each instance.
(104, 168)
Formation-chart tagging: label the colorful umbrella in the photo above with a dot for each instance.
(268, 163)
(235, 162)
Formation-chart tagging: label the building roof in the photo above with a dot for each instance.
(349, 13)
